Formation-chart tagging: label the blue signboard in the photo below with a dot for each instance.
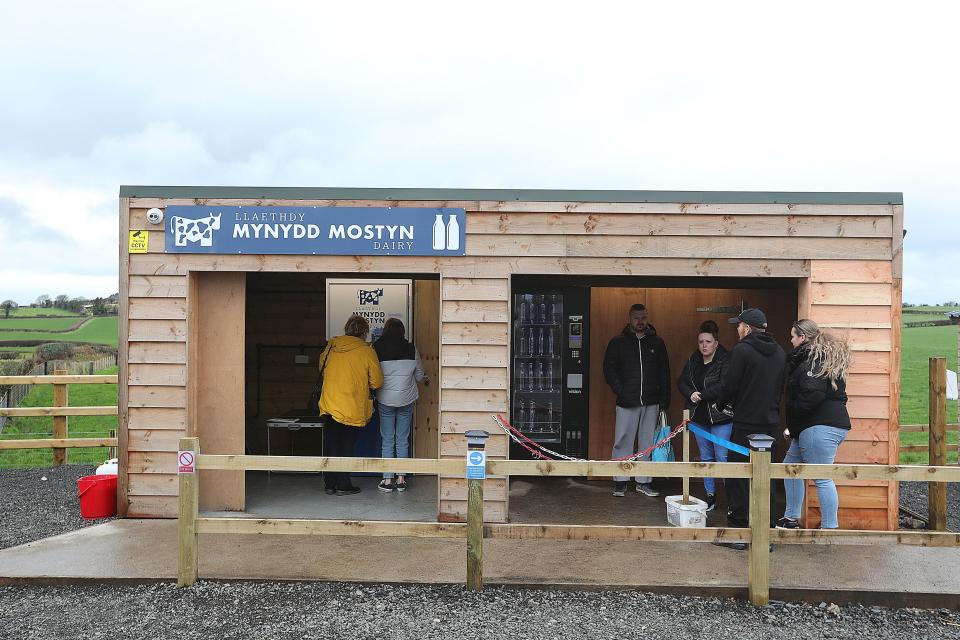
(476, 465)
(352, 231)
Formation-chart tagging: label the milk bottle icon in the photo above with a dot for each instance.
(446, 236)
(453, 234)
(439, 233)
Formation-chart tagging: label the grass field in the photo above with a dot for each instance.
(102, 330)
(25, 312)
(79, 427)
(60, 323)
(918, 346)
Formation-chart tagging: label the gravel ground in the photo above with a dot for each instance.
(913, 496)
(333, 610)
(301, 611)
(33, 507)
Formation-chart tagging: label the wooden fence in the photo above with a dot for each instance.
(759, 470)
(61, 412)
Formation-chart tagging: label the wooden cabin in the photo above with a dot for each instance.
(214, 337)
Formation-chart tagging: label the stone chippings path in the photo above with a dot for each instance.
(302, 611)
(39, 503)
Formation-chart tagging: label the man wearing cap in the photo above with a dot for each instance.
(637, 369)
(753, 382)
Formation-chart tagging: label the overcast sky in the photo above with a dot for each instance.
(728, 96)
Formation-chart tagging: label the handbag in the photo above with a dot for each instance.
(313, 403)
(663, 453)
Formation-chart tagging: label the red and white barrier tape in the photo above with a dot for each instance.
(542, 452)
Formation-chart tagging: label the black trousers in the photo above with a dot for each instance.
(338, 442)
(738, 489)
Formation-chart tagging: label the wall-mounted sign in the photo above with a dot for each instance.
(375, 300)
(354, 231)
(139, 241)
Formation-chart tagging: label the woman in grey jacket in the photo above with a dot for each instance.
(402, 370)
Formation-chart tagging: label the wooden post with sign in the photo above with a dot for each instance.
(758, 584)
(61, 398)
(937, 491)
(189, 504)
(686, 455)
(476, 474)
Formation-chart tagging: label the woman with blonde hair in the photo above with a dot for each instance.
(817, 418)
(350, 371)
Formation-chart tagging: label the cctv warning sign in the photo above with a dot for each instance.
(138, 241)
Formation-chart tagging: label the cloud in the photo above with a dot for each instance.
(618, 96)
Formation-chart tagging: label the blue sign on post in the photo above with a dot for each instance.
(476, 465)
(353, 231)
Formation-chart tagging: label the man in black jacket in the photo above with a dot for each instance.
(637, 369)
(753, 382)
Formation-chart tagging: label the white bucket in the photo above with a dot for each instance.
(107, 468)
(686, 515)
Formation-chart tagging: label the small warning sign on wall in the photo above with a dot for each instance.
(138, 241)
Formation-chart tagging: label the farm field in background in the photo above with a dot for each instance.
(32, 312)
(86, 395)
(60, 323)
(919, 344)
(101, 330)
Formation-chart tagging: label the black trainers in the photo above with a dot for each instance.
(619, 489)
(349, 491)
(330, 491)
(401, 483)
(787, 523)
(386, 485)
(711, 502)
(736, 546)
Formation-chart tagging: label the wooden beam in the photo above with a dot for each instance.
(865, 538)
(758, 577)
(297, 527)
(189, 504)
(937, 491)
(24, 412)
(57, 379)
(612, 533)
(312, 463)
(61, 398)
(908, 473)
(608, 469)
(58, 443)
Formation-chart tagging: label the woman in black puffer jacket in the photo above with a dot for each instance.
(704, 369)
(817, 418)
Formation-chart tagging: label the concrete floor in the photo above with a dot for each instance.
(143, 550)
(532, 500)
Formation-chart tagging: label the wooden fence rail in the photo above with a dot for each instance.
(61, 412)
(760, 470)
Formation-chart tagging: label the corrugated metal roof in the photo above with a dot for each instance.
(522, 195)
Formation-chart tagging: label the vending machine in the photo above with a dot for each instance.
(549, 372)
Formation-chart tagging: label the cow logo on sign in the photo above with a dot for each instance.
(369, 297)
(200, 230)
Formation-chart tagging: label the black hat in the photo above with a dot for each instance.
(753, 317)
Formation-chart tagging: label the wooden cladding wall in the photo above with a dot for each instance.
(846, 260)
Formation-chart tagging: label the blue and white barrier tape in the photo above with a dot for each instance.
(706, 435)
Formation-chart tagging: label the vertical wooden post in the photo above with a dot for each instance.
(686, 456)
(937, 491)
(61, 398)
(476, 474)
(758, 584)
(189, 503)
(112, 451)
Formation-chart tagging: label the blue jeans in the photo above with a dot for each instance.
(710, 452)
(395, 431)
(816, 445)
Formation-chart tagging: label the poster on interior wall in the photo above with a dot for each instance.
(353, 231)
(374, 299)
